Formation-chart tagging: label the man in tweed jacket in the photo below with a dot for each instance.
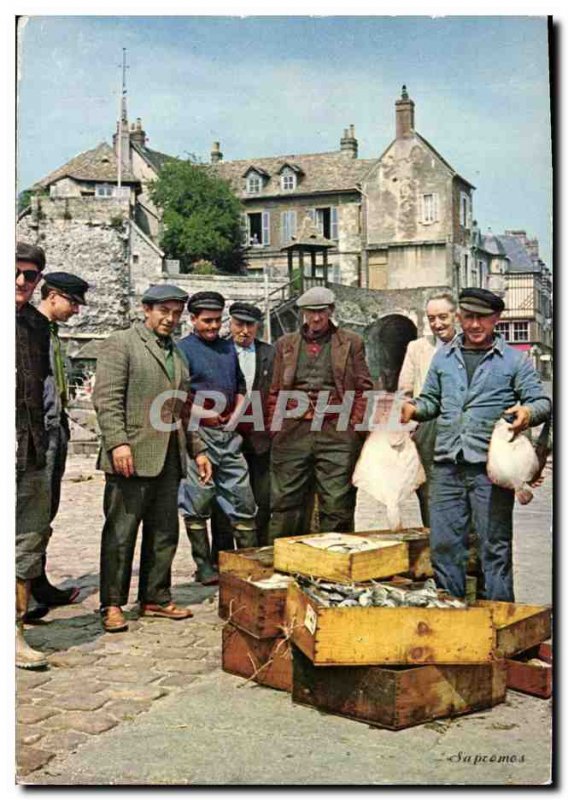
(143, 453)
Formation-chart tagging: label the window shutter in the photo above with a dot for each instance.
(266, 227)
(284, 227)
(334, 226)
(292, 223)
(435, 216)
(245, 230)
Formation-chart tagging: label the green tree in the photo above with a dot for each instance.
(200, 214)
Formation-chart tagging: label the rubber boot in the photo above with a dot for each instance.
(46, 594)
(205, 574)
(245, 534)
(26, 656)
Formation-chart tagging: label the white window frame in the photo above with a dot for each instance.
(504, 329)
(515, 337)
(465, 210)
(254, 183)
(288, 180)
(429, 208)
(334, 223)
(104, 190)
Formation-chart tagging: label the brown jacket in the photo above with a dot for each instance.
(350, 370)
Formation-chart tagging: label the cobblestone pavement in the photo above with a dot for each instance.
(98, 681)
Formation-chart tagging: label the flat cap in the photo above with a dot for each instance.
(245, 312)
(211, 301)
(163, 292)
(32, 253)
(67, 284)
(315, 298)
(480, 301)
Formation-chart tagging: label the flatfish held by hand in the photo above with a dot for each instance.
(389, 469)
(512, 462)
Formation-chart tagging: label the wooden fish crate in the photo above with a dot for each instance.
(258, 611)
(418, 543)
(397, 697)
(519, 626)
(375, 635)
(535, 679)
(292, 555)
(268, 660)
(251, 562)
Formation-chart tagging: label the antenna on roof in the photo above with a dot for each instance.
(122, 115)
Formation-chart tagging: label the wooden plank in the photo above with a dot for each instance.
(371, 635)
(397, 697)
(258, 611)
(418, 542)
(251, 562)
(291, 555)
(533, 679)
(267, 661)
(519, 626)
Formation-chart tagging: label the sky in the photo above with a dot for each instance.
(282, 85)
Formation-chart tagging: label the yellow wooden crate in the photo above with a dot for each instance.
(292, 555)
(375, 635)
(519, 626)
(251, 562)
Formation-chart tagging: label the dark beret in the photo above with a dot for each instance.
(480, 301)
(68, 284)
(245, 312)
(211, 301)
(162, 293)
(32, 253)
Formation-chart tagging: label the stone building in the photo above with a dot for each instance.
(396, 227)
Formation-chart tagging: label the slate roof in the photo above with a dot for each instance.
(519, 257)
(98, 165)
(154, 158)
(323, 172)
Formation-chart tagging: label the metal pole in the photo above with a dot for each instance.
(121, 112)
(267, 331)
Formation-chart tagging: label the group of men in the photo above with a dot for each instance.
(244, 435)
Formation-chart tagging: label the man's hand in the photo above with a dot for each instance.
(122, 461)
(407, 412)
(204, 468)
(522, 418)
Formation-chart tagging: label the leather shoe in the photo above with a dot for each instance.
(169, 611)
(113, 619)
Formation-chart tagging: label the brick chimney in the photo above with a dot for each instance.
(216, 154)
(137, 134)
(349, 144)
(404, 116)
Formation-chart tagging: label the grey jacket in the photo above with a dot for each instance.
(467, 414)
(131, 374)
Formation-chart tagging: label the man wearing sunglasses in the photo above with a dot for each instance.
(32, 486)
(62, 295)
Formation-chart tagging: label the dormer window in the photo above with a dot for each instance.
(288, 181)
(255, 179)
(289, 176)
(104, 190)
(254, 183)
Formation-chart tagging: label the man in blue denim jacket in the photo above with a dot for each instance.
(472, 382)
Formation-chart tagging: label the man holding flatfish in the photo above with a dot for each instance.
(471, 383)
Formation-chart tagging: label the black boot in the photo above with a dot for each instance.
(245, 534)
(46, 594)
(201, 552)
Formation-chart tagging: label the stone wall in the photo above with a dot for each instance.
(98, 252)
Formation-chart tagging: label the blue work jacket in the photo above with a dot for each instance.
(467, 414)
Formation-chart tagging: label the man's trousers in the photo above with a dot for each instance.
(221, 528)
(304, 461)
(230, 485)
(32, 522)
(56, 458)
(127, 503)
(461, 495)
